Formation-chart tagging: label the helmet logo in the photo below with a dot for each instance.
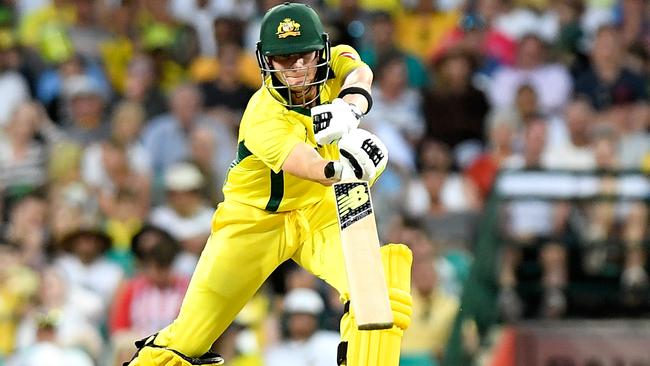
(288, 27)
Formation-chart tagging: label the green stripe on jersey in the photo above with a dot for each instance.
(277, 191)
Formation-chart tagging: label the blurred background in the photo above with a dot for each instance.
(520, 150)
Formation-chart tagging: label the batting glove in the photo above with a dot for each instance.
(332, 121)
(364, 153)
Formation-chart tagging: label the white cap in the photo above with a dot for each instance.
(304, 301)
(81, 85)
(183, 177)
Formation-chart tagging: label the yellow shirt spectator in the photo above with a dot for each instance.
(420, 33)
(433, 318)
(45, 29)
(116, 54)
(18, 284)
(390, 6)
(205, 69)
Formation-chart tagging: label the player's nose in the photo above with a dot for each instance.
(300, 62)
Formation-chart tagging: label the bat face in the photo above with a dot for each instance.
(366, 280)
(353, 202)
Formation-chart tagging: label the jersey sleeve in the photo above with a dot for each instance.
(344, 60)
(272, 139)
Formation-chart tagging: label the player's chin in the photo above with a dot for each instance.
(299, 88)
(295, 82)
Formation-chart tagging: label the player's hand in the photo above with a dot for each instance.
(332, 121)
(364, 153)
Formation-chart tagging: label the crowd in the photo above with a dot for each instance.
(118, 122)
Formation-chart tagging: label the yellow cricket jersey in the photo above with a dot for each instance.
(267, 134)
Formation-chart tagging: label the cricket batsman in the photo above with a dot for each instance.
(297, 137)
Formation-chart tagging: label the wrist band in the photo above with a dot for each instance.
(333, 170)
(357, 90)
(329, 170)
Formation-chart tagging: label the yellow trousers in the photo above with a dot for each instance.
(245, 246)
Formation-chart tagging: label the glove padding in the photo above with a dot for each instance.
(332, 121)
(364, 153)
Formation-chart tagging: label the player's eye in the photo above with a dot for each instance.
(293, 58)
(282, 58)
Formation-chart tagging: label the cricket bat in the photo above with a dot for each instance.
(365, 272)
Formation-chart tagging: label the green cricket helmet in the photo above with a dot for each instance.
(290, 29)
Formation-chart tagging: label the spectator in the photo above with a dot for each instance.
(149, 301)
(134, 308)
(527, 17)
(18, 285)
(574, 153)
(200, 14)
(434, 311)
(85, 105)
(142, 86)
(22, 156)
(75, 312)
(85, 265)
(383, 45)
(349, 24)
(533, 227)
(203, 142)
(533, 142)
(551, 81)
(619, 94)
(570, 34)
(13, 85)
(632, 19)
(27, 230)
(145, 239)
(118, 49)
(500, 131)
(526, 103)
(251, 33)
(440, 190)
(126, 122)
(444, 201)
(166, 136)
(47, 348)
(454, 109)
(186, 215)
(118, 176)
(123, 222)
(51, 83)
(71, 201)
(304, 343)
(156, 38)
(395, 116)
(603, 218)
(607, 82)
(44, 30)
(86, 33)
(421, 27)
(478, 33)
(226, 96)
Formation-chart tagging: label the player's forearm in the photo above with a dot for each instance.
(360, 77)
(304, 162)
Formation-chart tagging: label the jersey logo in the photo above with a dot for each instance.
(353, 202)
(288, 27)
(349, 55)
